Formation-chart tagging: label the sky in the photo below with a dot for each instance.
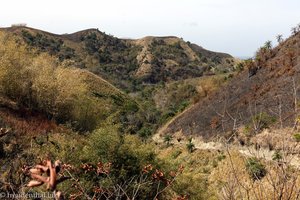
(238, 27)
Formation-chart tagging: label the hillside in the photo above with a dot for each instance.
(264, 95)
(148, 69)
(51, 110)
(125, 62)
(38, 83)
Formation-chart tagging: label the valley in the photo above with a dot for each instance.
(150, 118)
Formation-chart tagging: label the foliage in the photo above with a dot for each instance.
(190, 145)
(104, 162)
(51, 45)
(255, 168)
(145, 132)
(297, 137)
(167, 139)
(41, 84)
(262, 121)
(277, 156)
(115, 58)
(240, 66)
(126, 153)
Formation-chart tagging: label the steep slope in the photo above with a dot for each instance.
(125, 62)
(264, 95)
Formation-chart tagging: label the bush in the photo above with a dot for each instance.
(190, 146)
(255, 168)
(145, 132)
(168, 139)
(297, 137)
(259, 122)
(264, 120)
(127, 154)
(277, 156)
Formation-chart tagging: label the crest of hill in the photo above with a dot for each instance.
(265, 96)
(125, 61)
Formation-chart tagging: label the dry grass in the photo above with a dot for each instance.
(28, 124)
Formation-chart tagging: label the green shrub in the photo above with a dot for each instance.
(297, 137)
(145, 132)
(255, 168)
(196, 186)
(127, 154)
(264, 120)
(190, 146)
(167, 139)
(239, 67)
(166, 116)
(277, 155)
(221, 157)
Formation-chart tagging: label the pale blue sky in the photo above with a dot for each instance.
(237, 27)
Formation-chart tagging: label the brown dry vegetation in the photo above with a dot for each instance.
(270, 93)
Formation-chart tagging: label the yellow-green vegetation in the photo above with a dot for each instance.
(63, 113)
(128, 63)
(120, 165)
(239, 177)
(297, 137)
(198, 166)
(259, 122)
(255, 168)
(228, 174)
(39, 83)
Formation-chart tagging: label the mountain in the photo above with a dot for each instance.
(264, 95)
(124, 62)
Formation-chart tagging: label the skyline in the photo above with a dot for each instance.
(230, 26)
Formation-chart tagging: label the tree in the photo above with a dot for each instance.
(294, 30)
(268, 45)
(279, 38)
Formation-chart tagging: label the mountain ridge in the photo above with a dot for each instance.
(167, 57)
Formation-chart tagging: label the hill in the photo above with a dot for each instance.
(125, 62)
(148, 69)
(264, 95)
(38, 83)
